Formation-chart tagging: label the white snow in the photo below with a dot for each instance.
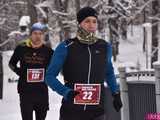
(24, 21)
(130, 50)
(147, 25)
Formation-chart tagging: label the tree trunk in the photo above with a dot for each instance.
(59, 6)
(32, 11)
(154, 58)
(77, 5)
(1, 73)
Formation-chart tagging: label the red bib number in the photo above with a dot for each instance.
(35, 75)
(89, 94)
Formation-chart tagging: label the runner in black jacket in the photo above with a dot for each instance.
(86, 64)
(33, 57)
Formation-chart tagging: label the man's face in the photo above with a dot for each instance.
(37, 37)
(89, 24)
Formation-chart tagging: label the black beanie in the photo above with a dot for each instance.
(86, 12)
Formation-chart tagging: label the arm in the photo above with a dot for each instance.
(110, 76)
(14, 60)
(111, 81)
(56, 64)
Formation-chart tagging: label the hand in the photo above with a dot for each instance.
(72, 94)
(18, 71)
(117, 103)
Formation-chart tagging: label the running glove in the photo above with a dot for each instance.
(117, 103)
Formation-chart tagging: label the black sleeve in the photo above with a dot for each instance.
(14, 60)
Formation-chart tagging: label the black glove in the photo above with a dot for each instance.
(71, 95)
(117, 103)
(17, 71)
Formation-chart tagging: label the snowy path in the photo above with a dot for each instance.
(9, 106)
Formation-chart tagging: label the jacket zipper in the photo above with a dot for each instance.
(89, 70)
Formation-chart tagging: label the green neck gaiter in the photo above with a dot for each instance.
(86, 37)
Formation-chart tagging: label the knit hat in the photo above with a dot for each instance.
(37, 26)
(86, 12)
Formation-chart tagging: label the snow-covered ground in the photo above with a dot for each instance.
(9, 106)
(130, 52)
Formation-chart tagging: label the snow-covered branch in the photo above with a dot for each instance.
(41, 10)
(122, 7)
(48, 5)
(99, 3)
(3, 6)
(58, 12)
(2, 21)
(114, 9)
(19, 2)
(72, 22)
(154, 18)
(142, 8)
(5, 42)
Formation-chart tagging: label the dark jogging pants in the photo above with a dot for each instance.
(29, 103)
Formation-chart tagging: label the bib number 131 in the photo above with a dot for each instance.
(35, 75)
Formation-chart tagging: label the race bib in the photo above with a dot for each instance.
(35, 75)
(89, 94)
